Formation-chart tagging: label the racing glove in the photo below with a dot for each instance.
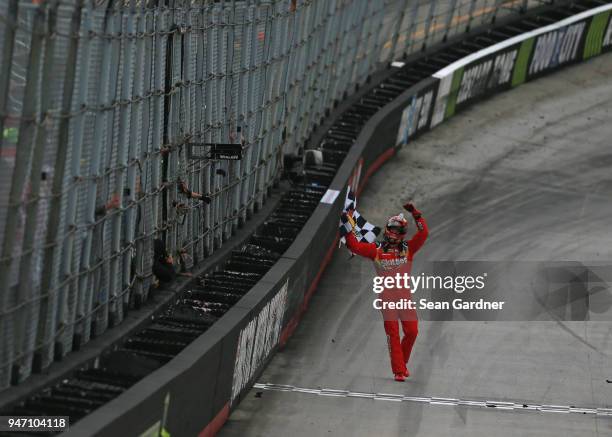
(416, 214)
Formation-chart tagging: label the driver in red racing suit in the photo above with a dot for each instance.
(392, 256)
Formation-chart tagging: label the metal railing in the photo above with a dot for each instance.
(98, 101)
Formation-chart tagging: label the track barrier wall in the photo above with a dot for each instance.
(195, 392)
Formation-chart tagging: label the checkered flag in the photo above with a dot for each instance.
(365, 231)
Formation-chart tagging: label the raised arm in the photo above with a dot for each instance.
(367, 250)
(418, 239)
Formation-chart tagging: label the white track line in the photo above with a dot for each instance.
(498, 405)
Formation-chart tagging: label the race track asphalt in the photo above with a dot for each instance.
(523, 176)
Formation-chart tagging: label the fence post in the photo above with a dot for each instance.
(127, 73)
(241, 117)
(24, 160)
(7, 58)
(449, 19)
(134, 185)
(102, 100)
(498, 4)
(471, 15)
(27, 287)
(46, 319)
(396, 32)
(259, 127)
(72, 242)
(157, 136)
(428, 24)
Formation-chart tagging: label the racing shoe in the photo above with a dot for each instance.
(399, 377)
(406, 373)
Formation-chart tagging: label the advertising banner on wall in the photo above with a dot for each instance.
(489, 74)
(598, 37)
(416, 117)
(517, 60)
(257, 340)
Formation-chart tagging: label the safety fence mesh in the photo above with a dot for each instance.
(99, 100)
